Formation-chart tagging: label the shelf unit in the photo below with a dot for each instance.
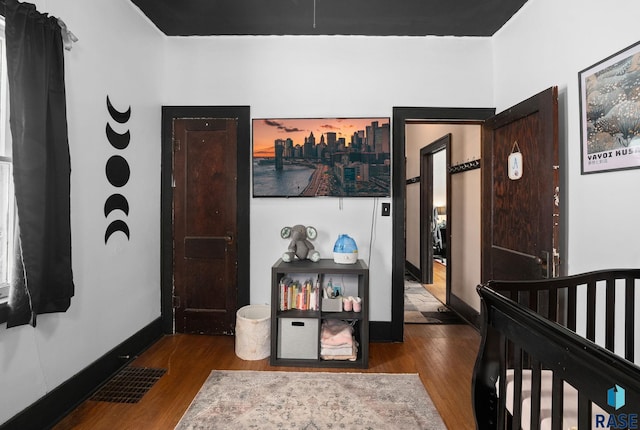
(280, 335)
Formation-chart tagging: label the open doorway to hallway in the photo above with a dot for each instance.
(442, 244)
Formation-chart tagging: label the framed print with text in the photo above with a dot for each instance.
(610, 112)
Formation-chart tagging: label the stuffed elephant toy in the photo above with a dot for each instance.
(300, 247)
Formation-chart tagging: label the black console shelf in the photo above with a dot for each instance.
(310, 321)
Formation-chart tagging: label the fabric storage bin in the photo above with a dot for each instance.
(298, 338)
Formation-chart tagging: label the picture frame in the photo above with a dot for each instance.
(321, 157)
(610, 113)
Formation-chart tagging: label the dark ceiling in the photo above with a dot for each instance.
(329, 17)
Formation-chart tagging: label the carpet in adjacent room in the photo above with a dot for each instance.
(311, 400)
(421, 307)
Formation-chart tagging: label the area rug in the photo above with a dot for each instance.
(311, 400)
(421, 307)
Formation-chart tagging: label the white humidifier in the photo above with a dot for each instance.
(345, 251)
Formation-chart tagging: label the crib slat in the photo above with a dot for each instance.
(502, 399)
(584, 411)
(557, 402)
(610, 305)
(533, 300)
(535, 394)
(517, 387)
(629, 317)
(553, 305)
(571, 307)
(591, 311)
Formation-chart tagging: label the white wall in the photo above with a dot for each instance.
(465, 222)
(547, 43)
(299, 76)
(117, 284)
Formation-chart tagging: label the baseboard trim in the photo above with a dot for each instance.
(413, 271)
(55, 405)
(381, 331)
(464, 310)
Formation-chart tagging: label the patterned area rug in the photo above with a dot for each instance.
(311, 400)
(421, 307)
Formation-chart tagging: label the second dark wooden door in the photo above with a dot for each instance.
(520, 217)
(205, 225)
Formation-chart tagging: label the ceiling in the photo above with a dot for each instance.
(329, 17)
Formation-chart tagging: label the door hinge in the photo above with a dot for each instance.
(556, 263)
(176, 144)
(176, 301)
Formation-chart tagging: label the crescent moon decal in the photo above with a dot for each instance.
(117, 140)
(117, 225)
(116, 201)
(120, 117)
(117, 171)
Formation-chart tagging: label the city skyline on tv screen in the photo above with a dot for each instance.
(312, 157)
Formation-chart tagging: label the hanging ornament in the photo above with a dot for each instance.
(515, 162)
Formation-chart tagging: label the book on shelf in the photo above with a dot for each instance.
(294, 294)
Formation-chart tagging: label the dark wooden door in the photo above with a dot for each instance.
(205, 225)
(520, 217)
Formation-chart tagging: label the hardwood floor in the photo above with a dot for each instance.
(439, 286)
(443, 356)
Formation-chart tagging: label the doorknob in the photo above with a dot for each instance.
(229, 237)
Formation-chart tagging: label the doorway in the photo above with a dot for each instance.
(402, 117)
(204, 216)
(435, 186)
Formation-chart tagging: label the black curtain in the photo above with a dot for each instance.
(43, 281)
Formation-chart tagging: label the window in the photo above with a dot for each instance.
(7, 202)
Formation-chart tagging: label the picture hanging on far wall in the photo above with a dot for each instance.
(610, 112)
(333, 157)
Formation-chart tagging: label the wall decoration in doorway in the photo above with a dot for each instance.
(610, 112)
(117, 171)
(335, 157)
(465, 166)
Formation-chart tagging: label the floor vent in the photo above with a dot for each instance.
(129, 385)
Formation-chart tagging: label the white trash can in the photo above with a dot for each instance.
(253, 332)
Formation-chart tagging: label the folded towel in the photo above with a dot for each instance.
(336, 332)
(348, 354)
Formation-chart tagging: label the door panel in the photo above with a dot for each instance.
(205, 225)
(520, 218)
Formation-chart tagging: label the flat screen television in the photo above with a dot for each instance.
(312, 157)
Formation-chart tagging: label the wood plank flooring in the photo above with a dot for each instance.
(439, 286)
(443, 356)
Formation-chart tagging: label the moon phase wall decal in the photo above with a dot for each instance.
(117, 225)
(116, 201)
(118, 141)
(117, 171)
(118, 116)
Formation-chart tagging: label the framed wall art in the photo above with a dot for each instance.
(313, 157)
(610, 112)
